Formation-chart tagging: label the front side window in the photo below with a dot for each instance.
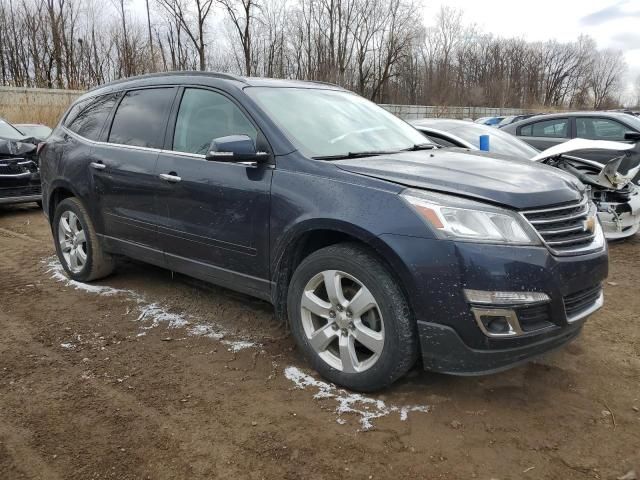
(205, 115)
(87, 118)
(323, 123)
(556, 128)
(141, 118)
(600, 129)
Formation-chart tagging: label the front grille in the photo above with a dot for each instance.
(12, 169)
(564, 227)
(578, 302)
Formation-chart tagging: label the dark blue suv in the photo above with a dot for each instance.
(378, 248)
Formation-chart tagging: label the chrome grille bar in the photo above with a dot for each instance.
(566, 229)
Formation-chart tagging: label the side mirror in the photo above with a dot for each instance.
(635, 136)
(235, 148)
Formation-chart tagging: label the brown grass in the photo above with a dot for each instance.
(20, 105)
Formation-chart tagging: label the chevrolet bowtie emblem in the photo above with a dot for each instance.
(589, 225)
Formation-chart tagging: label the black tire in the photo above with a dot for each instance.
(98, 264)
(400, 348)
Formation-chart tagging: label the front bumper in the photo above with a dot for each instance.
(444, 351)
(450, 337)
(14, 189)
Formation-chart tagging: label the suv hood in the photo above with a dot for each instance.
(475, 174)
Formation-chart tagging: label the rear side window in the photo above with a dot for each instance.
(205, 115)
(556, 128)
(141, 118)
(87, 118)
(600, 129)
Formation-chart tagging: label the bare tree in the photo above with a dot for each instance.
(193, 24)
(242, 16)
(605, 77)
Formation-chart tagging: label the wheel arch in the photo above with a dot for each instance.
(58, 191)
(310, 236)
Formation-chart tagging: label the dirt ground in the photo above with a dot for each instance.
(161, 377)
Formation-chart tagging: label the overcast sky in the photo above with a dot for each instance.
(612, 23)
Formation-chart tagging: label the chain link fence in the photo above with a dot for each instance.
(413, 112)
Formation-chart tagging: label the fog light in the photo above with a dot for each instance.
(497, 322)
(487, 297)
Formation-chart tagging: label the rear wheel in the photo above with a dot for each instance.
(77, 244)
(351, 319)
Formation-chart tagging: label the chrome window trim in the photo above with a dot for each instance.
(196, 156)
(107, 144)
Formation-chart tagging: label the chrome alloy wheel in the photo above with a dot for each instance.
(342, 321)
(73, 241)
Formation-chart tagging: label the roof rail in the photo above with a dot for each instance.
(221, 75)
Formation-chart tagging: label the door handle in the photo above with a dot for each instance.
(98, 165)
(170, 178)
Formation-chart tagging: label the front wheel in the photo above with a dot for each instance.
(350, 318)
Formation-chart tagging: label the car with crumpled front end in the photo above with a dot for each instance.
(377, 247)
(616, 197)
(19, 174)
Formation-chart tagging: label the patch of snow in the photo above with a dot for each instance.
(150, 314)
(208, 331)
(54, 267)
(367, 408)
(157, 315)
(237, 345)
(68, 345)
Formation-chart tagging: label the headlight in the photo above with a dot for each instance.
(460, 219)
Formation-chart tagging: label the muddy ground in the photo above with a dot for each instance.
(161, 377)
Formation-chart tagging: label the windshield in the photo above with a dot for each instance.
(500, 142)
(8, 131)
(633, 121)
(323, 123)
(40, 131)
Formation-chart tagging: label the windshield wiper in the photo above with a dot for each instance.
(421, 146)
(344, 156)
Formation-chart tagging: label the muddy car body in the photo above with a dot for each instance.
(376, 246)
(615, 195)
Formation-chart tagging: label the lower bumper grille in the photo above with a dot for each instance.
(20, 191)
(581, 301)
(535, 317)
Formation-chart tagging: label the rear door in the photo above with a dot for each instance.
(546, 133)
(124, 165)
(216, 214)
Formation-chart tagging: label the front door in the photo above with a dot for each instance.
(124, 166)
(216, 214)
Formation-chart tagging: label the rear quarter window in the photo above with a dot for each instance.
(87, 118)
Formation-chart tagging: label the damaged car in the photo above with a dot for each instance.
(19, 172)
(377, 247)
(616, 197)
